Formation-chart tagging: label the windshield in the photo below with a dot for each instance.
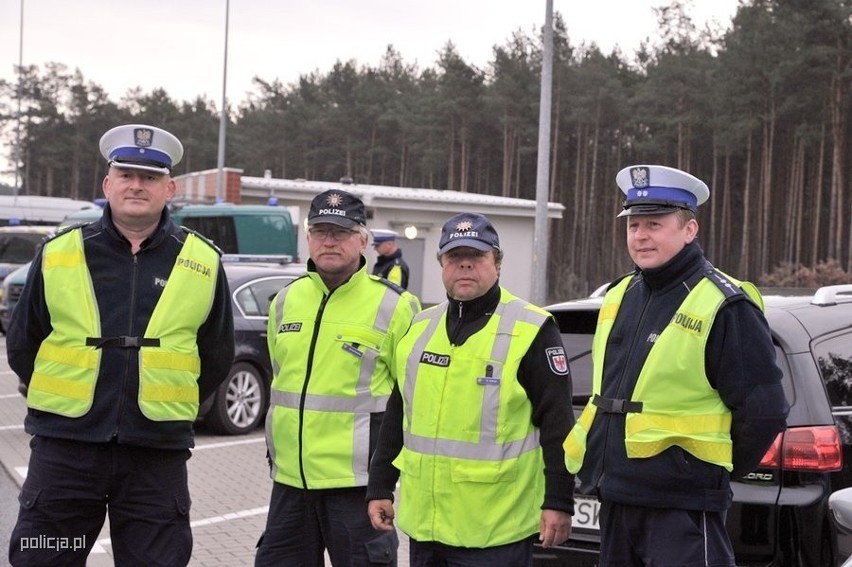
(19, 248)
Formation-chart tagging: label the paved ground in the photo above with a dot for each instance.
(228, 480)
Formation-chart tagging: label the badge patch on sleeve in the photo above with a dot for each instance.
(557, 360)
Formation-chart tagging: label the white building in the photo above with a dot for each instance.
(416, 214)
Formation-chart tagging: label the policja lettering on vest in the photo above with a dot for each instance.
(194, 266)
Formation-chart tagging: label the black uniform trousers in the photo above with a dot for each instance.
(637, 536)
(434, 554)
(71, 485)
(302, 524)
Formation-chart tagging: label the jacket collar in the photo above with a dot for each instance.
(677, 270)
(474, 308)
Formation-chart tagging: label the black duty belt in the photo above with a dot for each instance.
(121, 342)
(612, 405)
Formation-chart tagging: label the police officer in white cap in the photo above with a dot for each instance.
(687, 394)
(123, 328)
(389, 264)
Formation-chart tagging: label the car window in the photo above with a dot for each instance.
(786, 374)
(19, 248)
(834, 357)
(578, 329)
(265, 234)
(255, 298)
(578, 348)
(219, 229)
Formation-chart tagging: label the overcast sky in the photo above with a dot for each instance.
(179, 44)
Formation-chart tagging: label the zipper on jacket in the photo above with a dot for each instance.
(308, 371)
(598, 481)
(457, 329)
(128, 352)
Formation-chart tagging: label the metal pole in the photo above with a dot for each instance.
(539, 279)
(223, 116)
(20, 95)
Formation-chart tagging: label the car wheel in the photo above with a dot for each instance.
(240, 402)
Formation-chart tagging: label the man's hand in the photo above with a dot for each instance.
(554, 528)
(381, 514)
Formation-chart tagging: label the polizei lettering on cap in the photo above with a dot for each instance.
(435, 359)
(338, 212)
(194, 266)
(468, 234)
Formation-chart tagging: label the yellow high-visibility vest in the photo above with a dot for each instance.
(679, 407)
(471, 467)
(66, 368)
(330, 353)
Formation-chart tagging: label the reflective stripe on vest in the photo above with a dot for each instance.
(66, 370)
(467, 427)
(359, 403)
(663, 423)
(488, 448)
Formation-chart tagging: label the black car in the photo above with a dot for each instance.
(780, 514)
(240, 403)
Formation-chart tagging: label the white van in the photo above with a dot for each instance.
(36, 209)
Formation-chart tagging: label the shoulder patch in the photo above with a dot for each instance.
(725, 285)
(732, 291)
(202, 237)
(557, 360)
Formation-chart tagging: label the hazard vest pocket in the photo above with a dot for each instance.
(408, 462)
(483, 471)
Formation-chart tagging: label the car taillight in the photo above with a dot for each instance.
(815, 449)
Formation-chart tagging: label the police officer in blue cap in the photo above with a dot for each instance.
(687, 394)
(474, 428)
(331, 337)
(123, 328)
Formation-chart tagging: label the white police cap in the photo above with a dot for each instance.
(657, 190)
(383, 235)
(138, 146)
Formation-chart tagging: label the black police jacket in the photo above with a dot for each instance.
(127, 287)
(740, 365)
(384, 264)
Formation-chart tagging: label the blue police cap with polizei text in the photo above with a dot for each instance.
(337, 207)
(468, 229)
(657, 189)
(139, 146)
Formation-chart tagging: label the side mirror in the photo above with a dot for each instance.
(840, 503)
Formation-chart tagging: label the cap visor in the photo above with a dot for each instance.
(152, 168)
(646, 210)
(332, 219)
(468, 242)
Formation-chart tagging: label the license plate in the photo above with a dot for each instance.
(586, 512)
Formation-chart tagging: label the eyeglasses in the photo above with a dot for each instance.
(337, 234)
